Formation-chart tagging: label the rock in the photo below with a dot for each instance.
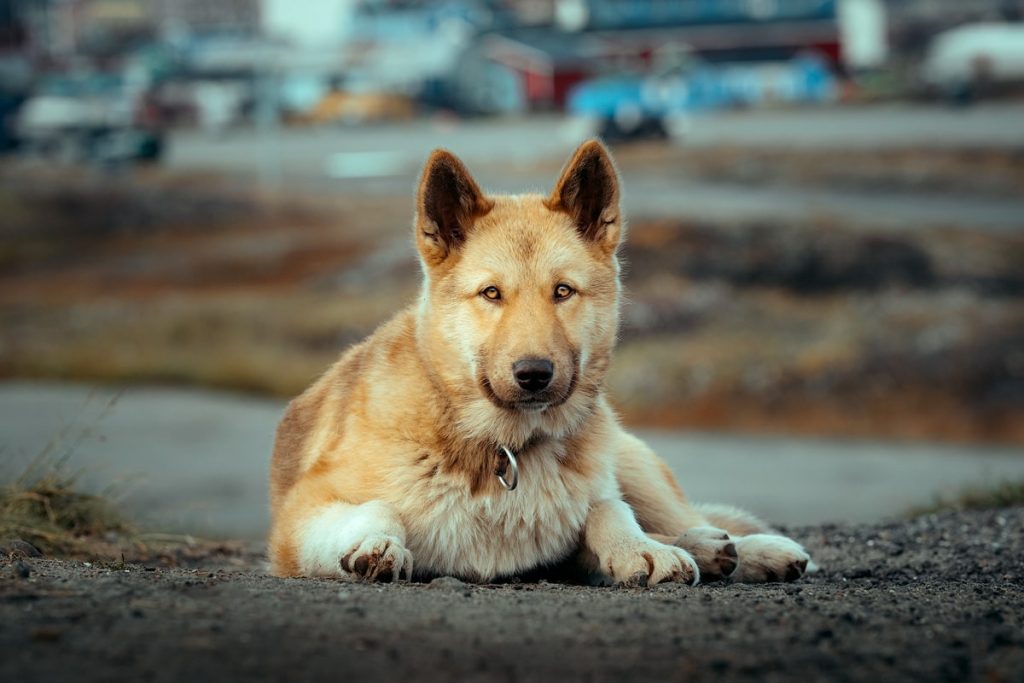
(16, 548)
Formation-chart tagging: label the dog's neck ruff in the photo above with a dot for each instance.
(506, 468)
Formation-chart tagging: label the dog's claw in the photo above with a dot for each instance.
(382, 559)
(636, 580)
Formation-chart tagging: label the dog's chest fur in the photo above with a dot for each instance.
(497, 533)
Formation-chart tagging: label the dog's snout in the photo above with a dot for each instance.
(533, 374)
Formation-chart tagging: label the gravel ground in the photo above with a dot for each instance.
(938, 599)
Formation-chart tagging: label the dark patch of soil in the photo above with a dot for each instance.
(814, 259)
(966, 171)
(938, 599)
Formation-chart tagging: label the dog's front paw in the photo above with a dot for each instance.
(766, 558)
(647, 563)
(377, 557)
(713, 550)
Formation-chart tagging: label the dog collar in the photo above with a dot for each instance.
(506, 468)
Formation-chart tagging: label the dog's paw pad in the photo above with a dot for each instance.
(649, 563)
(796, 569)
(713, 550)
(766, 558)
(378, 558)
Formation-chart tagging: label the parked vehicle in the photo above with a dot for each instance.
(15, 77)
(636, 105)
(88, 118)
(967, 59)
(10, 104)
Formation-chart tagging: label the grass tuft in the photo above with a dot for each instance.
(44, 508)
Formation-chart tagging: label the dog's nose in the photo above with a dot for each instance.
(533, 374)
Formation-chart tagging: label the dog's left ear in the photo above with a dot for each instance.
(448, 203)
(588, 191)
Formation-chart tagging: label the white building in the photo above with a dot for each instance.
(308, 23)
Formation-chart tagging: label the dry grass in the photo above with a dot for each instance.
(44, 506)
(1003, 495)
(815, 328)
(271, 343)
(45, 509)
(984, 172)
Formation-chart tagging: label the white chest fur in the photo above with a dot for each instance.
(496, 533)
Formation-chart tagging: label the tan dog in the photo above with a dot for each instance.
(392, 457)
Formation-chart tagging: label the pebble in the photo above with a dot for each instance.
(21, 570)
(448, 583)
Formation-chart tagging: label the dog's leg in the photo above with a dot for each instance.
(337, 539)
(650, 489)
(663, 512)
(763, 554)
(726, 542)
(738, 522)
(616, 546)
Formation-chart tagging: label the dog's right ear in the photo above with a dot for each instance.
(448, 202)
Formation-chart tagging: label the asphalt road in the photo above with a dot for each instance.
(506, 155)
(989, 125)
(196, 461)
(518, 141)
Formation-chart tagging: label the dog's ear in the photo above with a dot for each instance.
(448, 202)
(588, 191)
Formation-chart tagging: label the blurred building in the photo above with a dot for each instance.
(207, 16)
(626, 14)
(56, 29)
(60, 29)
(517, 69)
(47, 28)
(863, 34)
(319, 23)
(954, 11)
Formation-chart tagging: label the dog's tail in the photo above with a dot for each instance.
(734, 520)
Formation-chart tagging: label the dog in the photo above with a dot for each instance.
(470, 436)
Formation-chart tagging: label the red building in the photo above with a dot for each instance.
(547, 63)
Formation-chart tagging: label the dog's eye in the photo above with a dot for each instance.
(491, 293)
(563, 292)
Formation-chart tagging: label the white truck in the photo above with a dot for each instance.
(86, 119)
(969, 58)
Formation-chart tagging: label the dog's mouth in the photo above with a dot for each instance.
(530, 403)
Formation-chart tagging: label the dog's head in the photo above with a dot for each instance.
(521, 293)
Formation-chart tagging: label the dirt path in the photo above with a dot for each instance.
(937, 599)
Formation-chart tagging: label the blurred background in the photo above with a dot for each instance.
(202, 202)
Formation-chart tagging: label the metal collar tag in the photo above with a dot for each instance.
(507, 469)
